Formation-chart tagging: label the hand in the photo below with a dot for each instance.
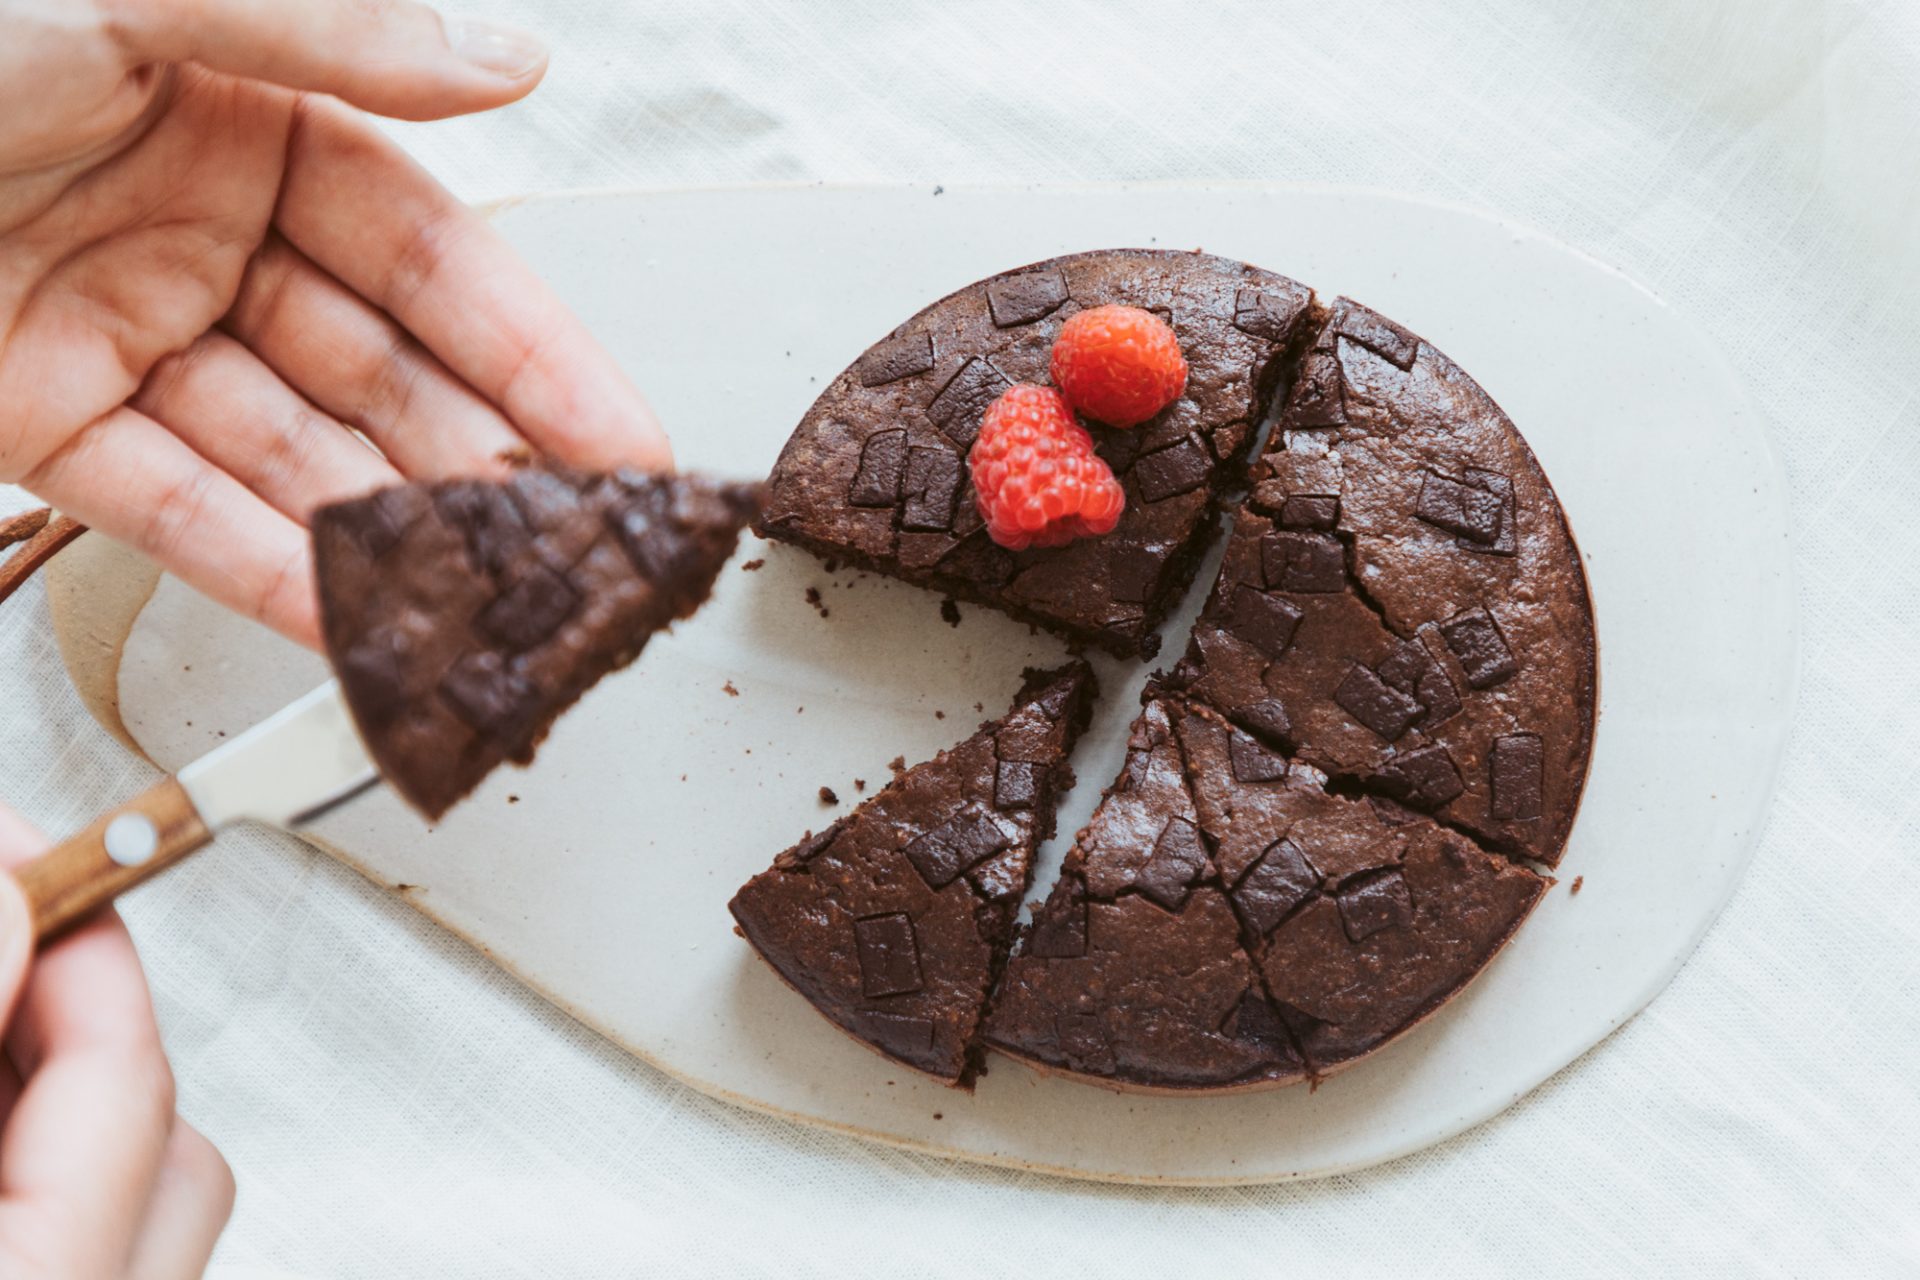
(209, 271)
(98, 1176)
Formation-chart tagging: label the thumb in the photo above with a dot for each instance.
(16, 944)
(391, 57)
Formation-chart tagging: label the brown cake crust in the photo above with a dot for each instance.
(895, 921)
(1402, 602)
(464, 617)
(876, 471)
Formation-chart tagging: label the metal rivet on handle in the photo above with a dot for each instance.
(132, 839)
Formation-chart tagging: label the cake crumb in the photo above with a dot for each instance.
(828, 796)
(753, 566)
(950, 612)
(898, 764)
(938, 1116)
(979, 707)
(939, 714)
(729, 690)
(813, 598)
(1575, 886)
(513, 799)
(859, 784)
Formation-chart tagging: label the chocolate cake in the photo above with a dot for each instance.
(876, 472)
(895, 921)
(1384, 714)
(1226, 922)
(1401, 603)
(463, 617)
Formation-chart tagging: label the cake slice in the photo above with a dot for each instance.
(1132, 974)
(464, 617)
(895, 921)
(1402, 604)
(1225, 923)
(875, 474)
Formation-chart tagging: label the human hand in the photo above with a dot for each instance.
(210, 270)
(98, 1176)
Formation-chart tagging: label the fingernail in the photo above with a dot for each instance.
(504, 51)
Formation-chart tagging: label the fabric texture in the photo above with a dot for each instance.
(395, 1106)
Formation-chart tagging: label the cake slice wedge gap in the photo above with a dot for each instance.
(876, 472)
(895, 921)
(463, 617)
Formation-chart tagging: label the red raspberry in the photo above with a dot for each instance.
(1036, 478)
(1118, 365)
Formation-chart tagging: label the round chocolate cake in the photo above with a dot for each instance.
(1336, 805)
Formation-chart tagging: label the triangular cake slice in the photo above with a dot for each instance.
(1402, 604)
(1225, 923)
(464, 617)
(876, 472)
(896, 920)
(1132, 974)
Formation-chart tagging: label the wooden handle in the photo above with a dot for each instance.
(126, 846)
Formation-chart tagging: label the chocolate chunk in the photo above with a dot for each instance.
(1472, 513)
(1084, 1043)
(1391, 813)
(1319, 398)
(1022, 299)
(642, 518)
(889, 958)
(376, 668)
(1309, 511)
(1304, 562)
(932, 482)
(1425, 778)
(1133, 570)
(1378, 901)
(1174, 470)
(546, 498)
(1178, 859)
(379, 523)
(1413, 670)
(1060, 926)
(902, 1035)
(536, 605)
(883, 460)
(1475, 640)
(1493, 482)
(957, 409)
(1516, 767)
(1376, 704)
(1377, 333)
(1256, 1021)
(1271, 313)
(492, 698)
(1267, 717)
(495, 529)
(1016, 784)
(1253, 762)
(811, 845)
(894, 359)
(956, 845)
(1265, 621)
(1272, 887)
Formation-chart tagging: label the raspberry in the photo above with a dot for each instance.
(1118, 365)
(1036, 478)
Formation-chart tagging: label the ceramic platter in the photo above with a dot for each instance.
(604, 887)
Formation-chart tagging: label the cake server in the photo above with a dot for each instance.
(287, 770)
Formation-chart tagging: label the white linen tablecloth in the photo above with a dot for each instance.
(395, 1107)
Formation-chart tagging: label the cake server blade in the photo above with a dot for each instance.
(287, 770)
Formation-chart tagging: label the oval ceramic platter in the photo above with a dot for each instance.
(601, 876)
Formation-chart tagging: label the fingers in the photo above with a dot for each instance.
(391, 57)
(191, 1203)
(366, 214)
(364, 369)
(237, 414)
(86, 1137)
(130, 478)
(16, 944)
